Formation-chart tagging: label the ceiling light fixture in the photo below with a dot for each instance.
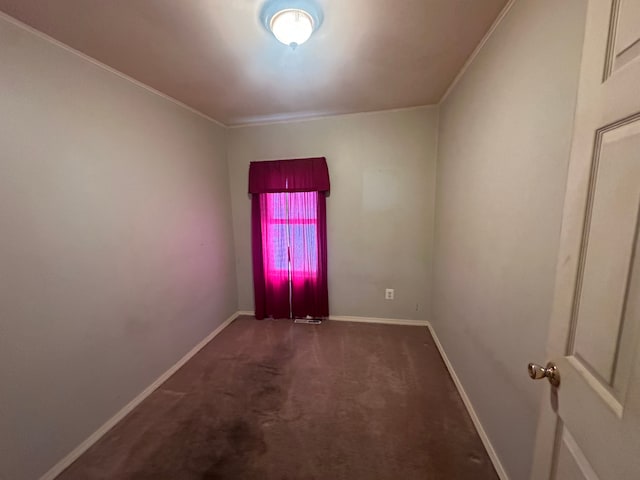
(292, 26)
(291, 21)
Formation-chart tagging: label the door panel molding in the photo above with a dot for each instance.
(611, 41)
(604, 135)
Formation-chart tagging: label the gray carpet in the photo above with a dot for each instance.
(272, 400)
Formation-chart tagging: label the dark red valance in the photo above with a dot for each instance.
(299, 175)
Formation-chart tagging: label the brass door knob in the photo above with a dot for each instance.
(536, 372)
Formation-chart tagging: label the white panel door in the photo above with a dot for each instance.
(590, 424)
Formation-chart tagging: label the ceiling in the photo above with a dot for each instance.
(216, 57)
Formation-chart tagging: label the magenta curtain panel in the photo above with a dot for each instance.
(308, 246)
(289, 237)
(275, 253)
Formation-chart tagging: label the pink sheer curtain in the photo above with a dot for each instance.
(275, 253)
(289, 238)
(308, 273)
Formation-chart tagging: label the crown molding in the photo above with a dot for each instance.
(64, 46)
(476, 51)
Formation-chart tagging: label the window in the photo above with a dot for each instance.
(289, 237)
(290, 234)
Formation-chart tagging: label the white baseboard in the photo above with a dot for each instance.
(343, 318)
(390, 321)
(59, 467)
(472, 413)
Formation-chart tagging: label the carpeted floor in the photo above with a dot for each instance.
(272, 400)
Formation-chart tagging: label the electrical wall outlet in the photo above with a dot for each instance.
(389, 294)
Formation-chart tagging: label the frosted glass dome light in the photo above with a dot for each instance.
(291, 22)
(292, 26)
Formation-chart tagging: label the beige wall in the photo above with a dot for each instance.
(116, 252)
(379, 213)
(503, 153)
